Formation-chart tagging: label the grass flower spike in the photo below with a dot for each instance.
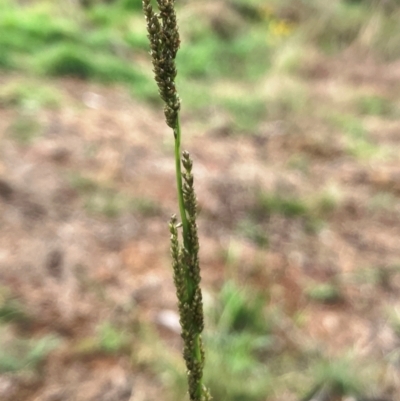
(164, 43)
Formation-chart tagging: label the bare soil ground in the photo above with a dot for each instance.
(72, 269)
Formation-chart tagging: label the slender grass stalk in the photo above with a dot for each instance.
(164, 43)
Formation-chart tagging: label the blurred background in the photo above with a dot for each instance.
(290, 109)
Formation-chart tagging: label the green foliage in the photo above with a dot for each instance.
(246, 112)
(386, 41)
(325, 202)
(59, 46)
(239, 332)
(312, 210)
(101, 199)
(29, 95)
(18, 354)
(253, 231)
(25, 129)
(146, 90)
(11, 310)
(300, 162)
(350, 125)
(209, 57)
(107, 202)
(393, 315)
(195, 95)
(358, 143)
(67, 60)
(111, 339)
(28, 30)
(374, 105)
(115, 13)
(382, 276)
(6, 61)
(77, 61)
(340, 376)
(146, 207)
(233, 371)
(130, 5)
(237, 310)
(287, 206)
(326, 293)
(336, 26)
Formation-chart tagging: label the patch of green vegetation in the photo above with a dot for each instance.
(112, 339)
(107, 41)
(244, 377)
(339, 377)
(146, 90)
(241, 349)
(77, 61)
(100, 199)
(81, 183)
(135, 35)
(358, 143)
(238, 310)
(336, 26)
(21, 355)
(348, 124)
(241, 332)
(34, 40)
(25, 129)
(326, 201)
(116, 14)
(363, 149)
(290, 57)
(367, 275)
(386, 41)
(331, 26)
(28, 29)
(300, 162)
(374, 105)
(253, 231)
(382, 276)
(288, 206)
(313, 210)
(6, 61)
(326, 293)
(246, 56)
(67, 60)
(132, 5)
(106, 202)
(109, 339)
(146, 207)
(393, 315)
(238, 333)
(11, 310)
(246, 112)
(29, 95)
(195, 95)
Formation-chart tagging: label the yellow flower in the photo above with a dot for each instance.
(280, 28)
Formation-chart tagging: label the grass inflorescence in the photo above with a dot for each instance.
(164, 43)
